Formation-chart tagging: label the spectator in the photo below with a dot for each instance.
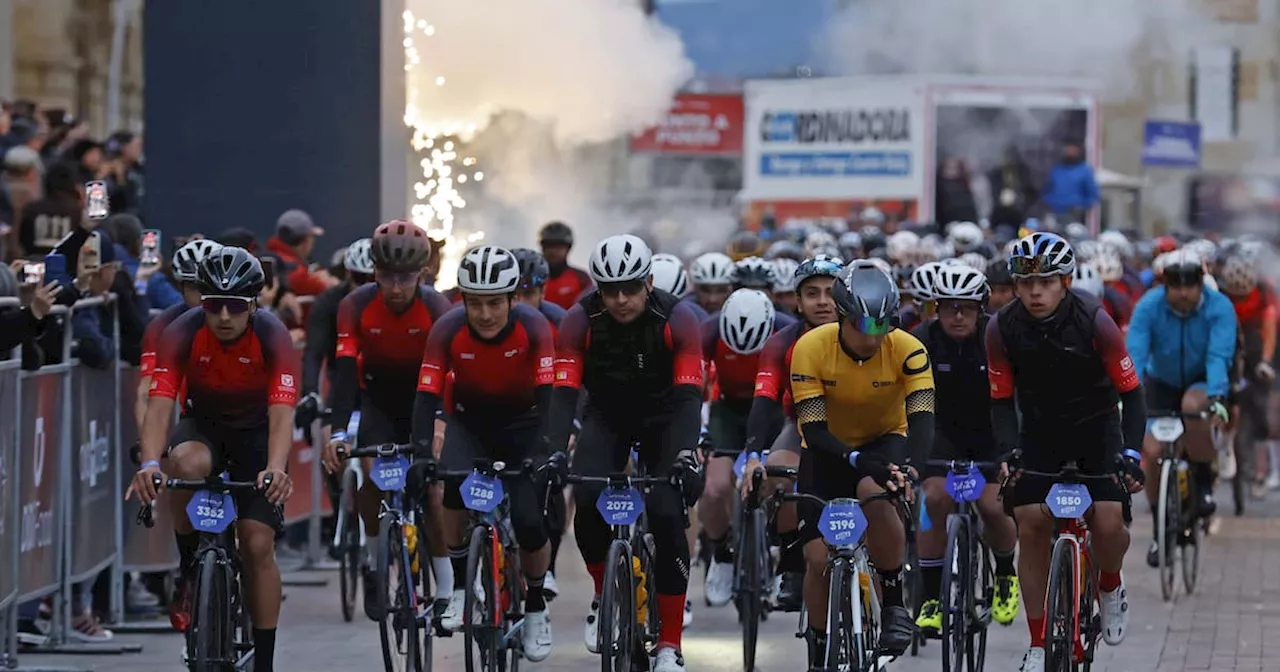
(293, 243)
(86, 155)
(1011, 189)
(65, 133)
(24, 131)
(22, 326)
(132, 285)
(1071, 190)
(954, 197)
(5, 123)
(57, 213)
(125, 181)
(19, 187)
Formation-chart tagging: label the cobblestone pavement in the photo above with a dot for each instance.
(1232, 623)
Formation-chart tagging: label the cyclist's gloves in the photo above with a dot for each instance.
(556, 467)
(687, 472)
(873, 465)
(1130, 462)
(306, 411)
(1218, 407)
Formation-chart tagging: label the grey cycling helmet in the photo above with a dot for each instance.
(868, 298)
(187, 260)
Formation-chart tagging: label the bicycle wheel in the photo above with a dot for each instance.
(617, 610)
(514, 599)
(984, 590)
(348, 551)
(751, 575)
(1190, 541)
(424, 587)
(480, 618)
(1060, 603)
(912, 582)
(209, 642)
(957, 595)
(647, 632)
(1168, 526)
(398, 627)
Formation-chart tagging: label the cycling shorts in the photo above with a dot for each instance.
(377, 427)
(831, 477)
(728, 426)
(242, 453)
(1164, 398)
(1094, 444)
(511, 441)
(788, 439)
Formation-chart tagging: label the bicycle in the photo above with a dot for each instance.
(399, 569)
(912, 578)
(349, 540)
(968, 570)
(1073, 623)
(629, 616)
(220, 638)
(1177, 522)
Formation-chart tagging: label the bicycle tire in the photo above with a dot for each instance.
(984, 591)
(957, 595)
(751, 583)
(619, 592)
(1061, 613)
(1090, 622)
(515, 601)
(427, 648)
(838, 649)
(243, 641)
(481, 635)
(648, 634)
(349, 559)
(398, 628)
(209, 647)
(912, 582)
(1190, 547)
(1168, 525)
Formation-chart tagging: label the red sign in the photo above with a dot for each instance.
(696, 124)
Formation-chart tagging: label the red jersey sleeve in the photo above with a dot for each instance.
(1109, 341)
(772, 375)
(686, 346)
(542, 345)
(571, 348)
(150, 343)
(172, 351)
(282, 358)
(303, 283)
(999, 369)
(349, 326)
(433, 375)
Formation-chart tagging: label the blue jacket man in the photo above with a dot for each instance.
(1181, 350)
(1072, 188)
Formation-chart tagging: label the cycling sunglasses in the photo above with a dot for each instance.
(626, 288)
(396, 277)
(234, 305)
(872, 326)
(1037, 265)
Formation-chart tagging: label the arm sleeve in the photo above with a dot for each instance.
(150, 341)
(542, 344)
(686, 379)
(1133, 422)
(321, 337)
(918, 403)
(766, 418)
(1115, 357)
(433, 378)
(708, 334)
(436, 303)
(1269, 314)
(1138, 341)
(764, 423)
(571, 348)
(811, 401)
(346, 381)
(999, 369)
(283, 390)
(1222, 347)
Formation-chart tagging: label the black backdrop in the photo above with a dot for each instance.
(256, 106)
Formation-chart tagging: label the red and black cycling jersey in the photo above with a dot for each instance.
(735, 374)
(772, 404)
(564, 288)
(229, 385)
(151, 337)
(1256, 337)
(1118, 305)
(379, 350)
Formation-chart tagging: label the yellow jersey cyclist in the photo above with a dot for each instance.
(864, 393)
(954, 340)
(1065, 358)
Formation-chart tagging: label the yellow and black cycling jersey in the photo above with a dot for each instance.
(866, 399)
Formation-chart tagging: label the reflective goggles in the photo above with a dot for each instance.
(1040, 265)
(234, 305)
(872, 326)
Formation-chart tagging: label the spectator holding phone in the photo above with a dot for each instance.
(21, 326)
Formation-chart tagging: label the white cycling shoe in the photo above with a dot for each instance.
(550, 589)
(719, 586)
(668, 660)
(1115, 615)
(591, 634)
(1033, 660)
(537, 636)
(451, 620)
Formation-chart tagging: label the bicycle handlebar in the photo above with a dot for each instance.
(961, 466)
(1199, 415)
(146, 516)
(885, 496)
(380, 450)
(617, 480)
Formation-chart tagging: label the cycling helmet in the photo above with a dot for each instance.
(784, 275)
(965, 236)
(488, 270)
(973, 260)
(867, 297)
(1109, 266)
(1237, 276)
(961, 282)
(1165, 244)
(815, 266)
(849, 241)
(1184, 267)
(785, 249)
(712, 268)
(1087, 279)
(818, 239)
(1118, 242)
(1087, 250)
(669, 274)
(921, 281)
(400, 246)
(555, 233)
(1041, 255)
(872, 237)
(882, 265)
(231, 271)
(871, 215)
(356, 258)
(1203, 248)
(753, 273)
(1076, 231)
(902, 245)
(997, 273)
(745, 244)
(187, 260)
(620, 258)
(746, 321)
(534, 269)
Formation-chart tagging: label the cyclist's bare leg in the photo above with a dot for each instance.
(1151, 467)
(536, 563)
(1197, 440)
(1001, 532)
(437, 542)
(369, 500)
(261, 574)
(817, 585)
(715, 506)
(1109, 535)
(886, 538)
(933, 542)
(1035, 541)
(188, 461)
(788, 518)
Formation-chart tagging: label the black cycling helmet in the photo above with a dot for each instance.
(400, 246)
(534, 269)
(231, 271)
(998, 273)
(556, 233)
(867, 297)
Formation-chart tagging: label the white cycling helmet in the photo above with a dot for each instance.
(901, 246)
(1203, 247)
(1237, 276)
(669, 274)
(620, 258)
(850, 240)
(488, 270)
(187, 260)
(818, 239)
(920, 284)
(712, 268)
(784, 274)
(1041, 255)
(974, 260)
(1109, 266)
(1118, 242)
(959, 281)
(1087, 279)
(934, 248)
(1087, 250)
(965, 236)
(871, 215)
(356, 259)
(746, 321)
(754, 272)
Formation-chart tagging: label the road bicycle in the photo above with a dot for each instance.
(220, 638)
(752, 563)
(349, 537)
(1177, 522)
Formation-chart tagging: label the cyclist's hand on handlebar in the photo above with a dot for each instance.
(1009, 464)
(879, 469)
(143, 484)
(329, 456)
(753, 465)
(557, 466)
(1218, 414)
(1265, 371)
(1130, 467)
(306, 411)
(276, 484)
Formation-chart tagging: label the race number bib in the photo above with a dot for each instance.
(481, 493)
(966, 487)
(620, 506)
(390, 473)
(211, 512)
(842, 522)
(1068, 500)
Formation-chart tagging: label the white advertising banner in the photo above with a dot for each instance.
(834, 139)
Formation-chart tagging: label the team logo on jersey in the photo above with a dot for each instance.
(374, 331)
(511, 353)
(546, 362)
(286, 380)
(916, 363)
(246, 360)
(562, 375)
(801, 378)
(881, 383)
(467, 355)
(415, 331)
(1126, 363)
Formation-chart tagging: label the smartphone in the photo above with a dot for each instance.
(33, 274)
(150, 247)
(97, 205)
(55, 269)
(91, 253)
(269, 270)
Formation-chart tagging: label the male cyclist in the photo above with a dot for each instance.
(1066, 360)
(864, 399)
(712, 276)
(240, 372)
(502, 355)
(1182, 339)
(919, 287)
(322, 329)
(1001, 284)
(1255, 305)
(669, 276)
(636, 351)
(382, 330)
(532, 291)
(784, 285)
(731, 342)
(565, 283)
(771, 424)
(954, 340)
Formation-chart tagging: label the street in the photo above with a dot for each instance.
(1221, 628)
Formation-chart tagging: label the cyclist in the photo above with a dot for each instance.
(637, 352)
(1000, 282)
(1182, 340)
(954, 340)
(744, 244)
(771, 424)
(1115, 296)
(565, 283)
(382, 330)
(919, 287)
(1255, 306)
(712, 276)
(1066, 359)
(864, 401)
(240, 373)
(669, 275)
(501, 353)
(322, 328)
(784, 285)
(731, 342)
(532, 291)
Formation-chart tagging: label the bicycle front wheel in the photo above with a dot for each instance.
(618, 610)
(481, 622)
(209, 645)
(398, 628)
(957, 596)
(1060, 617)
(752, 570)
(348, 550)
(1168, 526)
(1190, 542)
(839, 653)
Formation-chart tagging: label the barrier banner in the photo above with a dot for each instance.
(40, 447)
(94, 506)
(9, 520)
(145, 550)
